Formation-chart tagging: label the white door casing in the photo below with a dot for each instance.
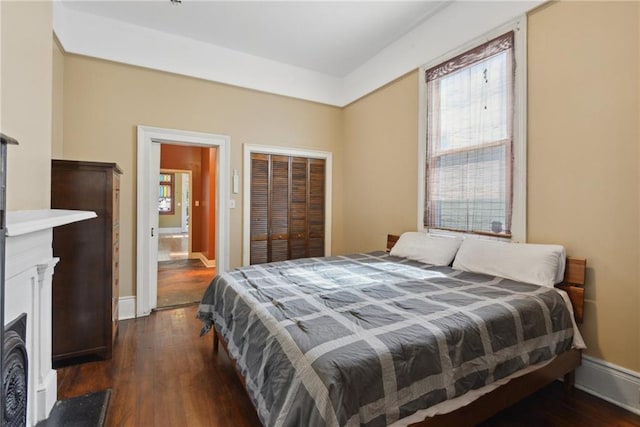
(186, 197)
(149, 140)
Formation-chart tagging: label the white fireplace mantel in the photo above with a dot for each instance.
(25, 222)
(29, 265)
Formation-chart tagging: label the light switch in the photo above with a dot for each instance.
(232, 204)
(235, 181)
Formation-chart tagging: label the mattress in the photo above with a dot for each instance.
(370, 339)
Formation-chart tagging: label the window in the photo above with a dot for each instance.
(166, 202)
(469, 140)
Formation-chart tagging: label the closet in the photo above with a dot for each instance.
(287, 207)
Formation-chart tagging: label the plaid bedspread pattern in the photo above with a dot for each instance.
(368, 339)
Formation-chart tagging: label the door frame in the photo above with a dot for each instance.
(285, 151)
(183, 206)
(186, 201)
(149, 140)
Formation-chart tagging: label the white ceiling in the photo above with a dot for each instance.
(330, 37)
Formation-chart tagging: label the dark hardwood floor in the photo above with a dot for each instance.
(553, 406)
(163, 374)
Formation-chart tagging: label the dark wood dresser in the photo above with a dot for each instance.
(85, 283)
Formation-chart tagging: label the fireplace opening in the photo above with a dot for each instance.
(14, 375)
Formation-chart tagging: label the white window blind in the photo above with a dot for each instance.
(469, 140)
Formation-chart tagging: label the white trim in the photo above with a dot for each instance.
(25, 222)
(46, 394)
(126, 308)
(422, 145)
(610, 382)
(519, 207)
(187, 192)
(450, 26)
(453, 25)
(96, 36)
(314, 154)
(149, 140)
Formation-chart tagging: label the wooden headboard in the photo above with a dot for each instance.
(574, 278)
(391, 241)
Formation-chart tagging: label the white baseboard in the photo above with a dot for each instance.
(46, 395)
(170, 230)
(610, 382)
(126, 308)
(209, 263)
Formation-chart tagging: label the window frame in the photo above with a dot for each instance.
(171, 185)
(519, 164)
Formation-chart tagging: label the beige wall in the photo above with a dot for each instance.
(381, 167)
(25, 100)
(57, 95)
(104, 101)
(583, 158)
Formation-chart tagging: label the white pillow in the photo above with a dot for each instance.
(524, 262)
(426, 248)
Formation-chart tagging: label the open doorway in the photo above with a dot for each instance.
(186, 223)
(149, 140)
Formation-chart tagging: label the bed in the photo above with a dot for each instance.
(374, 339)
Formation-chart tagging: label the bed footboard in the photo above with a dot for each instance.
(508, 394)
(570, 380)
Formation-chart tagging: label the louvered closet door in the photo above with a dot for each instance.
(315, 216)
(260, 173)
(279, 209)
(287, 207)
(298, 208)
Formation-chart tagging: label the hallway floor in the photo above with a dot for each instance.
(180, 280)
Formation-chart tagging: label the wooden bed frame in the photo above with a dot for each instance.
(516, 389)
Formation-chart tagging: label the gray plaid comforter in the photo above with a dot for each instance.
(368, 339)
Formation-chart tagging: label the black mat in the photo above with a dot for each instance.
(89, 410)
